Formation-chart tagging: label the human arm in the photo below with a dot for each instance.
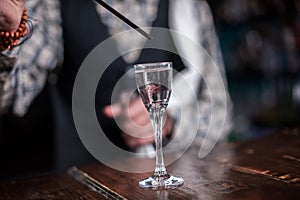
(34, 58)
(204, 108)
(10, 17)
(134, 122)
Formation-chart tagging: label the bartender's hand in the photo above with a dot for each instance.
(135, 123)
(10, 14)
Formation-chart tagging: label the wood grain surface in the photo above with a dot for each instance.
(265, 168)
(48, 187)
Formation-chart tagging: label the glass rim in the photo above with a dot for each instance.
(153, 65)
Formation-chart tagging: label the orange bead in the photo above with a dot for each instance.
(25, 32)
(10, 39)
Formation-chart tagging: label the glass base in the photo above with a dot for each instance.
(161, 182)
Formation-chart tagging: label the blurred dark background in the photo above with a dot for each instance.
(260, 41)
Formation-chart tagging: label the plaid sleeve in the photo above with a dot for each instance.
(209, 115)
(37, 56)
(210, 43)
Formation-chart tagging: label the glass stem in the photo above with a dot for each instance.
(156, 115)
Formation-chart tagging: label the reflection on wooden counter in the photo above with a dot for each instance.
(260, 169)
(267, 168)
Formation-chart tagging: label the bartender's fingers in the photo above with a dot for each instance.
(142, 136)
(135, 134)
(133, 142)
(137, 113)
(137, 107)
(140, 119)
(137, 130)
(113, 110)
(168, 125)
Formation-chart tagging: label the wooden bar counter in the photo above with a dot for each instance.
(265, 168)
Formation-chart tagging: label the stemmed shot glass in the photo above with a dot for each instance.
(154, 82)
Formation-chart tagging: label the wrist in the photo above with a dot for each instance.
(8, 39)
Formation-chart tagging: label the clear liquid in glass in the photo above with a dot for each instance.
(154, 82)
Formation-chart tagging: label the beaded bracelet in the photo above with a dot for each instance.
(9, 40)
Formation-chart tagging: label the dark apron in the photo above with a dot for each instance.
(83, 30)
